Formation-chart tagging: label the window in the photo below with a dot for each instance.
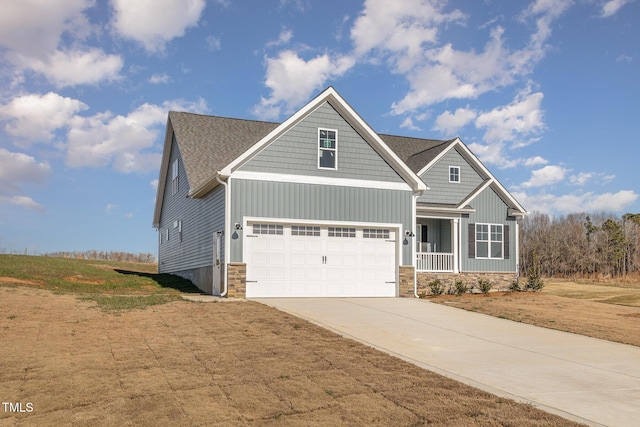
(375, 233)
(305, 230)
(164, 236)
(267, 229)
(327, 149)
(174, 177)
(454, 173)
(489, 241)
(342, 232)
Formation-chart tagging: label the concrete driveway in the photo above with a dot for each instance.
(584, 379)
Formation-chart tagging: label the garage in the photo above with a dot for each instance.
(320, 260)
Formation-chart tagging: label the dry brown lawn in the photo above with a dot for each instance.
(184, 363)
(609, 311)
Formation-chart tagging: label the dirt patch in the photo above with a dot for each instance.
(580, 316)
(84, 280)
(14, 281)
(186, 363)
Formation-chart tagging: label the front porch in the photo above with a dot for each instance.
(437, 245)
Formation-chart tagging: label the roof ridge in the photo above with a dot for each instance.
(223, 117)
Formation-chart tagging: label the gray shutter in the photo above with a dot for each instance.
(505, 237)
(472, 240)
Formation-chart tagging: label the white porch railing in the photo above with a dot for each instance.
(437, 262)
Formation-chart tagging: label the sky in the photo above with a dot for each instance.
(545, 92)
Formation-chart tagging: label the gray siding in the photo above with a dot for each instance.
(438, 232)
(437, 178)
(200, 219)
(296, 152)
(491, 209)
(318, 202)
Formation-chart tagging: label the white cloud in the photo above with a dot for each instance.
(19, 168)
(34, 27)
(611, 7)
(493, 153)
(284, 38)
(535, 161)
(520, 119)
(577, 202)
(213, 43)
(124, 142)
(153, 23)
(76, 67)
(407, 123)
(450, 123)
(624, 58)
(400, 30)
(547, 175)
(581, 178)
(110, 208)
(23, 202)
(36, 117)
(159, 79)
(154, 184)
(292, 80)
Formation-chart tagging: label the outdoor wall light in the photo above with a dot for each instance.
(409, 233)
(238, 226)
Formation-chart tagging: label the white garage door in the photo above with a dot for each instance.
(290, 260)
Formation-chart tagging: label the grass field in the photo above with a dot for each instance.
(111, 285)
(183, 363)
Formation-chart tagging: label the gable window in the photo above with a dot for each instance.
(454, 173)
(174, 177)
(327, 149)
(489, 241)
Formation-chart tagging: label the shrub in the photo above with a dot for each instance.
(436, 287)
(460, 287)
(484, 285)
(534, 275)
(514, 286)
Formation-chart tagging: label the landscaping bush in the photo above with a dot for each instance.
(436, 287)
(484, 285)
(515, 286)
(534, 275)
(460, 287)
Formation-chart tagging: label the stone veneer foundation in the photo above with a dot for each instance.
(501, 281)
(237, 280)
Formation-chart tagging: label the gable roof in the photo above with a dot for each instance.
(416, 152)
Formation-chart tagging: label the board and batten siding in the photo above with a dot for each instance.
(490, 209)
(296, 152)
(200, 218)
(437, 178)
(269, 199)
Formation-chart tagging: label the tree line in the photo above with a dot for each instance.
(580, 245)
(105, 256)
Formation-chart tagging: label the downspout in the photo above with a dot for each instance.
(413, 245)
(226, 223)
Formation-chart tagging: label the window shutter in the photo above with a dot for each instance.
(506, 242)
(472, 240)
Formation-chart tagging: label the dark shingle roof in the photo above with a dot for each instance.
(415, 152)
(209, 143)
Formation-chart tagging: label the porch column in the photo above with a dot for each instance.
(456, 251)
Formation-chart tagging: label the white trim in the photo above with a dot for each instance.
(423, 210)
(335, 150)
(459, 173)
(470, 157)
(475, 194)
(489, 241)
(436, 215)
(455, 225)
(337, 102)
(414, 260)
(320, 180)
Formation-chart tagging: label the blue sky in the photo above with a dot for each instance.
(545, 92)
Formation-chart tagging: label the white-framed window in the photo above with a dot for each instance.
(454, 173)
(375, 233)
(327, 149)
(305, 230)
(489, 241)
(174, 177)
(342, 232)
(165, 236)
(268, 229)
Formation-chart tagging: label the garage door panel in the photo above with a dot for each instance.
(334, 263)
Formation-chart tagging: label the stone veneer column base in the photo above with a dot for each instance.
(236, 280)
(406, 281)
(501, 281)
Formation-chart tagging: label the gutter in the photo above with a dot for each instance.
(226, 240)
